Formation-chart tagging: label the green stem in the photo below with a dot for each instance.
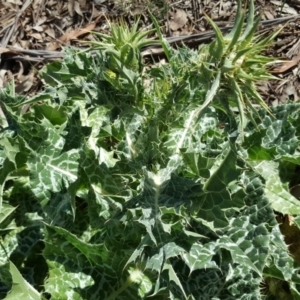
(126, 284)
(3, 116)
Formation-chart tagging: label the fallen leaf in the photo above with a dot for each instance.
(71, 7)
(82, 3)
(78, 9)
(76, 33)
(25, 84)
(37, 36)
(53, 46)
(290, 11)
(137, 11)
(6, 50)
(179, 19)
(16, 2)
(269, 15)
(24, 44)
(284, 66)
(73, 35)
(278, 3)
(50, 32)
(38, 28)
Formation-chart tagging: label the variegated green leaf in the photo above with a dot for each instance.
(21, 288)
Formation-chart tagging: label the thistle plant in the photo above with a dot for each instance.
(232, 64)
(122, 52)
(123, 45)
(104, 199)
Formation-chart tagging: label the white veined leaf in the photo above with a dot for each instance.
(21, 289)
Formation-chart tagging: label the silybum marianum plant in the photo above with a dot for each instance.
(233, 63)
(123, 52)
(105, 197)
(123, 45)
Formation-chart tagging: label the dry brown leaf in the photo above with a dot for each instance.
(294, 50)
(97, 13)
(137, 11)
(58, 7)
(76, 33)
(290, 90)
(3, 72)
(41, 21)
(50, 32)
(268, 15)
(16, 2)
(7, 50)
(186, 31)
(37, 36)
(53, 2)
(38, 28)
(7, 19)
(73, 35)
(77, 8)
(53, 46)
(36, 4)
(25, 84)
(276, 2)
(284, 66)
(290, 11)
(82, 3)
(179, 19)
(71, 8)
(176, 33)
(24, 44)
